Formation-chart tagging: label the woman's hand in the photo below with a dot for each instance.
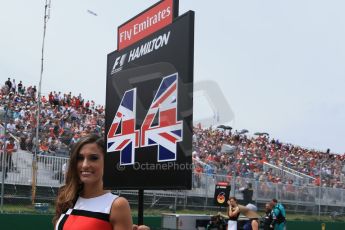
(140, 227)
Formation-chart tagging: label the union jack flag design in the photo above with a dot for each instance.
(127, 140)
(168, 131)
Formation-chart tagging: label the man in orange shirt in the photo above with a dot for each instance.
(197, 175)
(10, 149)
(2, 154)
(44, 148)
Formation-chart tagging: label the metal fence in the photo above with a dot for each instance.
(204, 185)
(49, 170)
(298, 198)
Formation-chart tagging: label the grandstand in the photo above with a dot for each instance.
(303, 179)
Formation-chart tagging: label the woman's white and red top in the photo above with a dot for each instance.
(88, 214)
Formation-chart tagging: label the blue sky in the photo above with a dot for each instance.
(279, 64)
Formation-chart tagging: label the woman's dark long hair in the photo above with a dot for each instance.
(68, 193)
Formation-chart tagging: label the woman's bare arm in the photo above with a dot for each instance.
(120, 215)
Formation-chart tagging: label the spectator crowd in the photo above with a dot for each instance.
(249, 154)
(64, 118)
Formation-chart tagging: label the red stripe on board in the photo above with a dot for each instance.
(122, 144)
(165, 96)
(168, 137)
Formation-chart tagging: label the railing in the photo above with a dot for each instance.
(288, 173)
(305, 176)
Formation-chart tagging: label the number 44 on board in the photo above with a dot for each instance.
(165, 134)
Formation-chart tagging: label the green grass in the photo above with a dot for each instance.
(29, 209)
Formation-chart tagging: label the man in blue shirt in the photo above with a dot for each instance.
(279, 215)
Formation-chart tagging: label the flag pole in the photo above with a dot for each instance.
(34, 161)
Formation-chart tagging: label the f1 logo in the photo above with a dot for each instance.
(119, 61)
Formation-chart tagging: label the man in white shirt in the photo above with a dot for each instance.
(11, 127)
